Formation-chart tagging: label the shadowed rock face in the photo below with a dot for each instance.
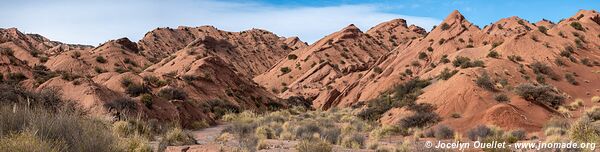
(256, 69)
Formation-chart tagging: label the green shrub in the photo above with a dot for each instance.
(120, 69)
(543, 29)
(479, 132)
(62, 131)
(147, 100)
(493, 54)
(122, 106)
(171, 93)
(445, 26)
(447, 74)
(135, 144)
(7, 51)
(100, 59)
(420, 119)
(541, 94)
(422, 55)
(313, 145)
(220, 107)
(444, 132)
(541, 68)
(26, 141)
(177, 137)
(137, 89)
(577, 26)
(519, 134)
(560, 62)
(587, 62)
(501, 97)
(441, 41)
(189, 78)
(377, 69)
(15, 77)
(244, 133)
(459, 61)
(76, 54)
(292, 57)
(485, 82)
(354, 141)
(571, 78)
(403, 95)
(515, 58)
(285, 70)
(99, 70)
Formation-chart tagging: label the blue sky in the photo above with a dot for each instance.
(96, 21)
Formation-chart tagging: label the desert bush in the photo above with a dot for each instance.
(135, 144)
(441, 41)
(313, 145)
(571, 78)
(587, 62)
(422, 55)
(171, 93)
(7, 51)
(557, 122)
(585, 129)
(515, 58)
(560, 62)
(447, 74)
(220, 107)
(75, 133)
(306, 130)
(147, 100)
(465, 62)
(99, 70)
(403, 94)
(120, 69)
(100, 59)
(285, 70)
(244, 133)
(420, 119)
(264, 132)
(543, 29)
(137, 89)
(485, 82)
(176, 137)
(541, 94)
(444, 59)
(539, 67)
(519, 134)
(15, 77)
(443, 132)
(76, 54)
(479, 132)
(459, 61)
(501, 97)
(385, 131)
(122, 106)
(331, 134)
(27, 141)
(577, 26)
(189, 78)
(354, 141)
(292, 57)
(493, 54)
(445, 26)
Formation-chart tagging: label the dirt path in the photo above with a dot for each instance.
(208, 135)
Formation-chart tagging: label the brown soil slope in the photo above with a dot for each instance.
(461, 95)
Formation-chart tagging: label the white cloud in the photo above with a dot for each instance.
(93, 22)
